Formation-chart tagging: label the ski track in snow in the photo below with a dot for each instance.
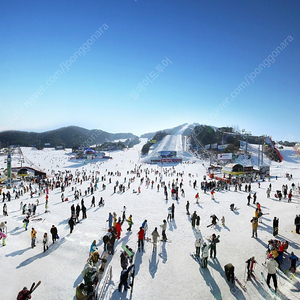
(169, 273)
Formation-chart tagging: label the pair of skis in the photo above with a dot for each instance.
(34, 286)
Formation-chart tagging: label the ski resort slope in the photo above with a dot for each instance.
(168, 273)
(172, 142)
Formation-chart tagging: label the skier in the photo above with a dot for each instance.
(229, 272)
(24, 294)
(204, 255)
(214, 219)
(198, 246)
(163, 233)
(271, 267)
(293, 258)
(250, 266)
(54, 233)
(45, 242)
(124, 279)
(141, 236)
(155, 235)
(33, 237)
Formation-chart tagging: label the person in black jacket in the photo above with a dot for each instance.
(124, 279)
(71, 224)
(53, 232)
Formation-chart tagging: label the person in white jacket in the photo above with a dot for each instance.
(45, 241)
(163, 233)
(198, 246)
(272, 265)
(204, 255)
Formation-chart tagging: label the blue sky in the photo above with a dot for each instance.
(141, 66)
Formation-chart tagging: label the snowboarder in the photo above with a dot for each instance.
(155, 235)
(26, 222)
(124, 279)
(214, 219)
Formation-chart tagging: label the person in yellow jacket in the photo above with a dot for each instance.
(254, 222)
(33, 237)
(80, 295)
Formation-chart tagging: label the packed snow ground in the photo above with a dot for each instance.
(168, 273)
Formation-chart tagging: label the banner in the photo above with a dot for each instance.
(225, 156)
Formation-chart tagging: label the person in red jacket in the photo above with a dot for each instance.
(118, 229)
(24, 294)
(141, 235)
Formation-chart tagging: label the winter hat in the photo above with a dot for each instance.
(25, 289)
(204, 244)
(270, 256)
(292, 253)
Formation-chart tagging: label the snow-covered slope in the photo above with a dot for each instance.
(168, 273)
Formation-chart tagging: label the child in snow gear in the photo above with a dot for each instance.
(229, 272)
(250, 266)
(293, 258)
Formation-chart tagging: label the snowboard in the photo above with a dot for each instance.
(127, 250)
